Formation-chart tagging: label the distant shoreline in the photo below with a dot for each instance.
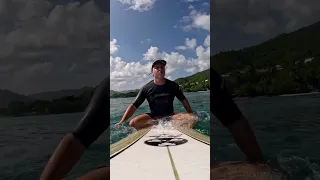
(280, 95)
(300, 94)
(247, 97)
(127, 96)
(235, 98)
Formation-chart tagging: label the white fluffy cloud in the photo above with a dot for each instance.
(139, 5)
(113, 46)
(152, 54)
(189, 44)
(207, 41)
(196, 20)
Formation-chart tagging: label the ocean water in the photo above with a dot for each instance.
(287, 129)
(26, 143)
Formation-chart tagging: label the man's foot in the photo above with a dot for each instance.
(185, 120)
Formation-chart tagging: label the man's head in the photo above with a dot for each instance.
(158, 68)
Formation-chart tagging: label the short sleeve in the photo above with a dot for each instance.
(96, 118)
(179, 93)
(221, 103)
(140, 98)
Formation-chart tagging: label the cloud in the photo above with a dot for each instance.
(152, 54)
(40, 41)
(181, 48)
(196, 20)
(139, 5)
(190, 1)
(113, 46)
(148, 40)
(264, 17)
(207, 41)
(189, 44)
(127, 75)
(259, 27)
(206, 4)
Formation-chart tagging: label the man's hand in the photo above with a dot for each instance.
(129, 112)
(119, 124)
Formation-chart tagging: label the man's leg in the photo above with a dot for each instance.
(185, 119)
(141, 121)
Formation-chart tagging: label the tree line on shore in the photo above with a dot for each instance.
(69, 104)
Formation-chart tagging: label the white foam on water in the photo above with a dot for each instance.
(163, 127)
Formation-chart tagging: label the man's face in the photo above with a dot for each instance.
(159, 70)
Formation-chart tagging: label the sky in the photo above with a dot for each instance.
(63, 44)
(48, 46)
(241, 23)
(142, 31)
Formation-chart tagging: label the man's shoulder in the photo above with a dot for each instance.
(172, 83)
(148, 84)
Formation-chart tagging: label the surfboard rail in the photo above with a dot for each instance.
(195, 135)
(126, 142)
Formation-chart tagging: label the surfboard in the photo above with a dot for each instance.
(159, 153)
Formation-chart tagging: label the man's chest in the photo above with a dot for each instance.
(160, 96)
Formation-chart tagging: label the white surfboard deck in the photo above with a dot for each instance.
(187, 161)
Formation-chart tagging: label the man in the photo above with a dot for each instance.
(96, 120)
(160, 93)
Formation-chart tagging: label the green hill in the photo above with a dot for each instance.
(7, 96)
(196, 82)
(288, 63)
(50, 95)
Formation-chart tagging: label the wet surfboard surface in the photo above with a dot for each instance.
(161, 153)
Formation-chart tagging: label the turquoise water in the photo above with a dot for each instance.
(287, 129)
(200, 104)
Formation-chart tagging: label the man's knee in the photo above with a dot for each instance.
(131, 123)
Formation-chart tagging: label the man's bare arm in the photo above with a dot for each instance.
(129, 112)
(187, 106)
(246, 140)
(63, 159)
